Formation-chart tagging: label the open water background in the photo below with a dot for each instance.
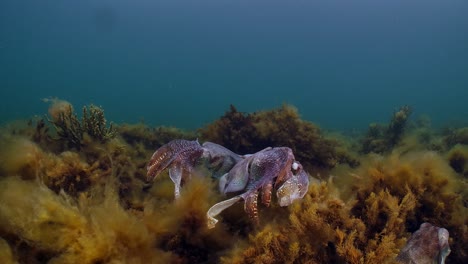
(342, 63)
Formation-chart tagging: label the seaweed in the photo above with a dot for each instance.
(437, 190)
(284, 127)
(58, 229)
(149, 137)
(181, 227)
(6, 255)
(235, 131)
(320, 229)
(73, 131)
(20, 156)
(454, 136)
(363, 216)
(90, 203)
(249, 133)
(458, 159)
(383, 138)
(397, 125)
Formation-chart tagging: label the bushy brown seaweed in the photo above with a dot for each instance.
(235, 131)
(320, 229)
(92, 204)
(249, 133)
(454, 136)
(6, 255)
(437, 193)
(365, 217)
(458, 159)
(58, 229)
(383, 138)
(73, 131)
(151, 138)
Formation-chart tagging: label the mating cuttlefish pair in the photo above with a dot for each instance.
(251, 175)
(262, 172)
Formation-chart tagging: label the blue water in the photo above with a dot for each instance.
(344, 63)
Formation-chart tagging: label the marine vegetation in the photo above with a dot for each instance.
(85, 196)
(363, 216)
(151, 137)
(458, 159)
(383, 138)
(456, 136)
(249, 133)
(70, 128)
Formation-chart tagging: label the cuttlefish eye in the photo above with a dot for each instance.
(295, 166)
(294, 188)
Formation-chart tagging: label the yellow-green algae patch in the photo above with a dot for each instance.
(63, 202)
(70, 231)
(363, 215)
(5, 252)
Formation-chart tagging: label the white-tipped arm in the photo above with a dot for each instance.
(218, 208)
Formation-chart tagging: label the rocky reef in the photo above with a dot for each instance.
(73, 189)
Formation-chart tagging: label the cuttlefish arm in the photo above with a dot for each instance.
(218, 208)
(177, 149)
(180, 156)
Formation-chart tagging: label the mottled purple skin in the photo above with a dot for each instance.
(258, 170)
(182, 156)
(268, 169)
(429, 244)
(180, 151)
(262, 172)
